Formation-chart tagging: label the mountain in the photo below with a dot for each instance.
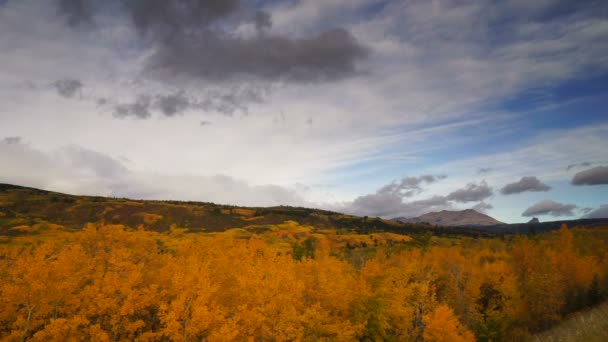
(468, 217)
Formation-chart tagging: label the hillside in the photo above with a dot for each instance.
(468, 217)
(21, 206)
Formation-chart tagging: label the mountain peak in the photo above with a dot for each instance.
(467, 217)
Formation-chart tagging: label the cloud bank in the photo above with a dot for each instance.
(201, 40)
(77, 170)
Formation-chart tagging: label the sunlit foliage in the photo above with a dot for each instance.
(292, 283)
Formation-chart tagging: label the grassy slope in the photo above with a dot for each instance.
(587, 326)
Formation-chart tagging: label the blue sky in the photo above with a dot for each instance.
(379, 108)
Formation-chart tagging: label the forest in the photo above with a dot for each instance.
(292, 283)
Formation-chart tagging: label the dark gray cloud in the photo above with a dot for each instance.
(12, 140)
(68, 88)
(583, 164)
(525, 184)
(139, 109)
(549, 207)
(376, 205)
(226, 102)
(484, 170)
(408, 186)
(388, 200)
(471, 193)
(601, 212)
(194, 39)
(263, 21)
(392, 205)
(217, 57)
(76, 10)
(594, 176)
(232, 100)
(482, 207)
(173, 104)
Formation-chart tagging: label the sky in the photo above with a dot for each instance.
(369, 107)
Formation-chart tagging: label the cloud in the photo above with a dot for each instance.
(76, 10)
(68, 88)
(263, 21)
(173, 104)
(392, 205)
(388, 200)
(471, 193)
(226, 102)
(329, 56)
(524, 184)
(408, 186)
(594, 176)
(601, 212)
(549, 207)
(139, 109)
(12, 140)
(97, 163)
(71, 168)
(583, 164)
(484, 170)
(482, 207)
(200, 40)
(77, 170)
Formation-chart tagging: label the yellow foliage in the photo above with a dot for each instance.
(24, 228)
(443, 326)
(108, 282)
(244, 212)
(151, 218)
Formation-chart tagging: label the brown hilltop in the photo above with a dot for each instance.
(468, 217)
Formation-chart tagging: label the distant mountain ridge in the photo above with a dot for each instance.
(26, 206)
(453, 218)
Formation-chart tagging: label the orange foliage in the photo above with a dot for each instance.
(109, 283)
(442, 325)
